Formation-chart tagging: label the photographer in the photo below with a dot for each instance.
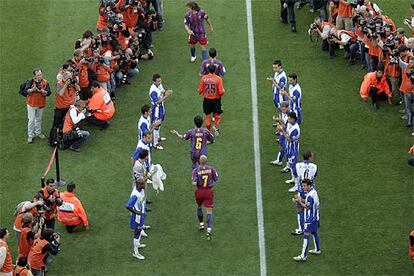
(373, 33)
(24, 207)
(51, 198)
(39, 255)
(73, 136)
(375, 85)
(22, 268)
(347, 39)
(127, 65)
(323, 29)
(36, 91)
(71, 212)
(101, 107)
(392, 69)
(102, 71)
(345, 14)
(81, 69)
(31, 229)
(6, 263)
(130, 10)
(66, 90)
(407, 87)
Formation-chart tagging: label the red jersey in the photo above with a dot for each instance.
(211, 86)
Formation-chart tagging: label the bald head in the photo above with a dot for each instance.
(203, 160)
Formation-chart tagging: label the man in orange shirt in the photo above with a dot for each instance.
(29, 233)
(101, 106)
(71, 212)
(211, 86)
(344, 18)
(73, 137)
(375, 85)
(37, 89)
(6, 263)
(48, 243)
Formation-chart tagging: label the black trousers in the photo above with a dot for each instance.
(94, 121)
(290, 10)
(58, 119)
(376, 95)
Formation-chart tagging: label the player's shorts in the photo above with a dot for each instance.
(202, 40)
(195, 156)
(212, 106)
(205, 197)
(311, 227)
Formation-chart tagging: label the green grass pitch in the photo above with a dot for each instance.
(365, 186)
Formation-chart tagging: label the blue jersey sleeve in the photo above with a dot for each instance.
(131, 202)
(282, 83)
(154, 97)
(136, 153)
(309, 201)
(144, 128)
(295, 98)
(294, 135)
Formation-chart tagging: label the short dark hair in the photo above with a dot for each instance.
(307, 154)
(146, 133)
(212, 52)
(70, 187)
(307, 181)
(67, 64)
(145, 108)
(277, 62)
(198, 121)
(50, 181)
(96, 84)
(143, 154)
(381, 67)
(3, 232)
(293, 76)
(22, 261)
(212, 68)
(36, 70)
(292, 115)
(193, 5)
(155, 77)
(47, 234)
(87, 34)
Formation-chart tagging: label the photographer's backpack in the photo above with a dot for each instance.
(23, 87)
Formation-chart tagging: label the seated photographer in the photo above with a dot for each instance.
(71, 212)
(102, 70)
(73, 136)
(323, 29)
(347, 39)
(375, 85)
(51, 199)
(31, 229)
(127, 68)
(22, 267)
(39, 254)
(100, 106)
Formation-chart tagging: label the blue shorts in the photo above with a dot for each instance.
(311, 227)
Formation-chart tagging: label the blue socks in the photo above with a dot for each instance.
(193, 52)
(316, 241)
(204, 55)
(200, 214)
(209, 220)
(305, 245)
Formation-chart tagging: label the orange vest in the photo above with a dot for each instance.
(36, 258)
(130, 17)
(8, 264)
(102, 73)
(68, 123)
(20, 271)
(102, 19)
(24, 243)
(350, 33)
(74, 216)
(36, 99)
(67, 98)
(18, 221)
(83, 73)
(101, 104)
(407, 87)
(391, 70)
(345, 10)
(370, 80)
(411, 248)
(50, 214)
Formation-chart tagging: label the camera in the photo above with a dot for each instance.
(132, 2)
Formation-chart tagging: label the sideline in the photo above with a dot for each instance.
(259, 200)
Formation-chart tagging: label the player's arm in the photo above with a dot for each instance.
(200, 86)
(130, 205)
(220, 87)
(209, 22)
(187, 26)
(174, 132)
(285, 93)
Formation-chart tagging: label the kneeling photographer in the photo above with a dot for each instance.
(39, 255)
(101, 107)
(73, 136)
(127, 67)
(347, 39)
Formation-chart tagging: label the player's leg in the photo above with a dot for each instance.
(136, 240)
(208, 204)
(192, 40)
(305, 246)
(281, 152)
(293, 173)
(203, 44)
(207, 109)
(300, 215)
(209, 220)
(199, 202)
(217, 111)
(316, 241)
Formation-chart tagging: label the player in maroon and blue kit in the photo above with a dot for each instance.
(220, 70)
(199, 138)
(195, 26)
(204, 178)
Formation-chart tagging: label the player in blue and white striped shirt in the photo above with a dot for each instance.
(294, 96)
(281, 120)
(278, 83)
(144, 123)
(304, 170)
(292, 134)
(311, 205)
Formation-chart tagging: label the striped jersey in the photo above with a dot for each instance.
(198, 138)
(312, 206)
(196, 22)
(280, 78)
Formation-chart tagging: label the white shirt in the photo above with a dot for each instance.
(75, 115)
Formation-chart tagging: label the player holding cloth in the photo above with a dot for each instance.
(211, 86)
(199, 138)
(204, 177)
(195, 26)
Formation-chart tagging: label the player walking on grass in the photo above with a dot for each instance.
(199, 137)
(204, 177)
(194, 24)
(311, 205)
(136, 204)
(211, 86)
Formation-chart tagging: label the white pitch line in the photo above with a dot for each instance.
(256, 141)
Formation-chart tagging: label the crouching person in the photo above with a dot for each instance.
(73, 136)
(101, 107)
(71, 212)
(375, 86)
(39, 255)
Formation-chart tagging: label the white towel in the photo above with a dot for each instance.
(158, 175)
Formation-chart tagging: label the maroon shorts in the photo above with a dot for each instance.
(205, 197)
(192, 39)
